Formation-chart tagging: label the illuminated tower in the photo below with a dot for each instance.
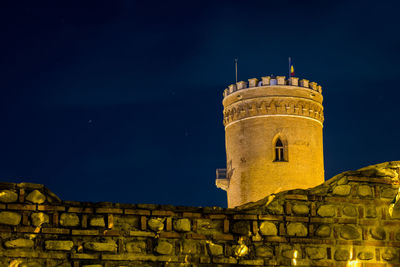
(273, 136)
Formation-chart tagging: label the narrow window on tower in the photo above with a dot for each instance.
(279, 151)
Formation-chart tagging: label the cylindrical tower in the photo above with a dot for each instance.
(273, 135)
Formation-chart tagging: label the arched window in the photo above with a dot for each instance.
(279, 150)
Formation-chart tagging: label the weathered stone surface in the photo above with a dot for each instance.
(296, 229)
(240, 250)
(97, 222)
(292, 253)
(156, 224)
(110, 246)
(316, 253)
(10, 218)
(389, 254)
(182, 225)
(388, 193)
(36, 197)
(59, 245)
(323, 231)
(189, 246)
(136, 247)
(206, 226)
(397, 236)
(29, 264)
(268, 228)
(241, 228)
(342, 181)
(69, 219)
(349, 232)
(326, 211)
(364, 191)
(370, 212)
(39, 218)
(164, 248)
(342, 254)
(341, 190)
(366, 255)
(264, 252)
(378, 233)
(215, 249)
(275, 208)
(93, 265)
(19, 243)
(350, 211)
(300, 209)
(8, 196)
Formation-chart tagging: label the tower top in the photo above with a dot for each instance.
(272, 81)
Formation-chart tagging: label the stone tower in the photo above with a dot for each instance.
(273, 136)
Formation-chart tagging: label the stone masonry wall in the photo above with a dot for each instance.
(351, 219)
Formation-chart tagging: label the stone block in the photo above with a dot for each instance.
(291, 253)
(275, 208)
(388, 193)
(389, 254)
(350, 211)
(342, 254)
(59, 245)
(29, 264)
(36, 197)
(189, 246)
(341, 190)
(19, 243)
(215, 249)
(378, 233)
(207, 226)
(241, 228)
(39, 218)
(323, 231)
(349, 232)
(10, 218)
(300, 209)
(156, 224)
(69, 219)
(268, 228)
(326, 211)
(136, 246)
(97, 222)
(8, 196)
(164, 248)
(364, 191)
(297, 229)
(370, 211)
(110, 246)
(264, 252)
(365, 255)
(182, 225)
(316, 253)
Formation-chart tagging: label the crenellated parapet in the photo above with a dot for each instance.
(272, 81)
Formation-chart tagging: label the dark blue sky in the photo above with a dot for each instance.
(121, 100)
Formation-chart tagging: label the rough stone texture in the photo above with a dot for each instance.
(8, 196)
(36, 197)
(39, 218)
(316, 253)
(10, 218)
(215, 249)
(323, 231)
(136, 247)
(69, 219)
(349, 232)
(156, 224)
(300, 209)
(59, 245)
(182, 225)
(326, 211)
(342, 254)
(342, 190)
(164, 248)
(335, 231)
(19, 243)
(296, 229)
(268, 228)
(97, 221)
(364, 191)
(110, 246)
(388, 193)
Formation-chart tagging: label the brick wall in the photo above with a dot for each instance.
(351, 219)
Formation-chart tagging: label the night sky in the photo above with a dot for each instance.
(121, 100)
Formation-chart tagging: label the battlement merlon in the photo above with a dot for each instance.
(272, 81)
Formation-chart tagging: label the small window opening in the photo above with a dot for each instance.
(279, 150)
